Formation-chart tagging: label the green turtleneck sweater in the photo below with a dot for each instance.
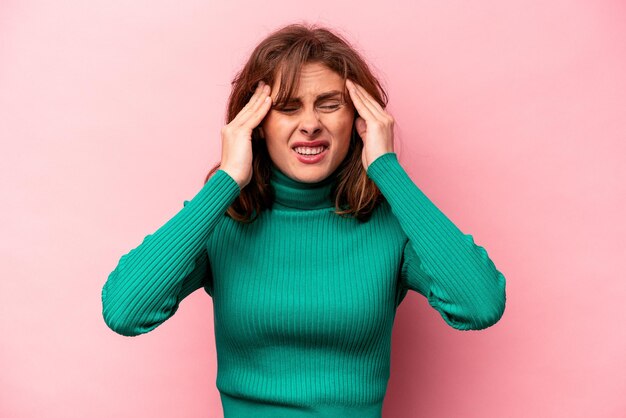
(304, 300)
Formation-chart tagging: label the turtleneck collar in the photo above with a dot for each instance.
(293, 195)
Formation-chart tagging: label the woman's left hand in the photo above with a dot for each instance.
(374, 124)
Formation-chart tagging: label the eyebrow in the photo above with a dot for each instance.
(323, 96)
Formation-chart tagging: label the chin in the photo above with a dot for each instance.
(314, 174)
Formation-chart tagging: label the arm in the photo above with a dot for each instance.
(439, 261)
(151, 280)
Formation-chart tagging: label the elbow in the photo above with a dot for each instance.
(480, 308)
(487, 317)
(490, 308)
(121, 327)
(474, 320)
(118, 317)
(115, 319)
(124, 324)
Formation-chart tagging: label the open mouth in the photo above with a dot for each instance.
(310, 151)
(310, 155)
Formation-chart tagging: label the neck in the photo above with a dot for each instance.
(292, 194)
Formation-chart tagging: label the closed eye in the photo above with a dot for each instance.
(325, 108)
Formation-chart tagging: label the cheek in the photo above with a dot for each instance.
(277, 132)
(341, 126)
(277, 128)
(274, 125)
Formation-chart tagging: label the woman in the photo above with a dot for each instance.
(307, 237)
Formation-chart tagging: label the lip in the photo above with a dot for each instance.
(318, 143)
(311, 159)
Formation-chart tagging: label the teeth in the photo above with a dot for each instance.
(309, 150)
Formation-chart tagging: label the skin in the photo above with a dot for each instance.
(330, 119)
(374, 124)
(305, 121)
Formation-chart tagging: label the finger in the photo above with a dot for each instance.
(363, 110)
(240, 116)
(243, 114)
(258, 110)
(371, 103)
(368, 101)
(258, 93)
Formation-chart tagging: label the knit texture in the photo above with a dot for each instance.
(304, 300)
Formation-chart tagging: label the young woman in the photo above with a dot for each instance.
(307, 235)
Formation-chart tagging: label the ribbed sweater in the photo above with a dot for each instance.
(304, 300)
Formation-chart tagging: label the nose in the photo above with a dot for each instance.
(310, 123)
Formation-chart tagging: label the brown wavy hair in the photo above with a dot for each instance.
(284, 52)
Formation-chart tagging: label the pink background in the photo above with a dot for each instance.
(510, 117)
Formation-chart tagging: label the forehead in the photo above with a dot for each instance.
(315, 80)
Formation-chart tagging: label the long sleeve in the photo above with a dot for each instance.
(439, 261)
(149, 282)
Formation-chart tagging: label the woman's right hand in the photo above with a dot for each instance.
(237, 136)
